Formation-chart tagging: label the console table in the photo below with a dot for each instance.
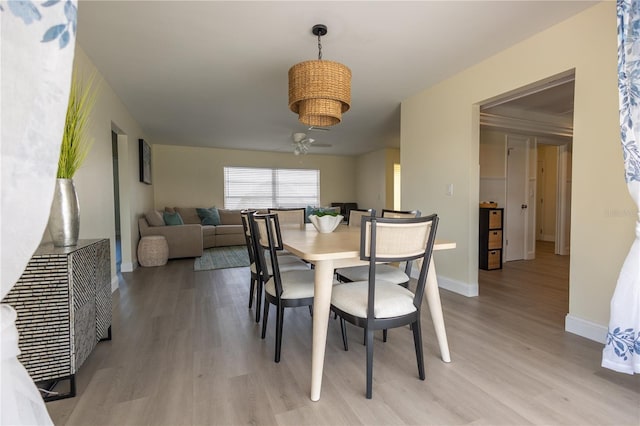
(63, 302)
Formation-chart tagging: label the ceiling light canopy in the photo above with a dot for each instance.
(319, 91)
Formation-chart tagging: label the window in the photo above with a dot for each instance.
(261, 188)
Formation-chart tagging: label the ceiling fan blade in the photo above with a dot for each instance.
(324, 129)
(322, 145)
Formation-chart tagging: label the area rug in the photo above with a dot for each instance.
(222, 258)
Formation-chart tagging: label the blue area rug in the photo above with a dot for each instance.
(222, 258)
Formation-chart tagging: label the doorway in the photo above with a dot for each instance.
(116, 201)
(512, 170)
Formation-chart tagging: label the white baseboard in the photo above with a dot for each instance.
(114, 283)
(586, 329)
(469, 290)
(128, 266)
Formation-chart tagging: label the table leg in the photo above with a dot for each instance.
(435, 307)
(321, 306)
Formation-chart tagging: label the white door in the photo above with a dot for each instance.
(517, 200)
(540, 202)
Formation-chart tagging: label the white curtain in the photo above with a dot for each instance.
(37, 41)
(622, 350)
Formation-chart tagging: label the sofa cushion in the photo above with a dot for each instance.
(208, 236)
(188, 214)
(154, 218)
(229, 229)
(171, 219)
(230, 217)
(209, 216)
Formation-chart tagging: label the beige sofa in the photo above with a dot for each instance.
(190, 239)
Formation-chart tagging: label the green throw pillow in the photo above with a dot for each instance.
(209, 216)
(172, 218)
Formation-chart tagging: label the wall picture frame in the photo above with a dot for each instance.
(145, 161)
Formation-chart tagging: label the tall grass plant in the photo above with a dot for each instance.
(75, 146)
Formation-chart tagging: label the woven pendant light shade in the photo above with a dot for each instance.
(319, 92)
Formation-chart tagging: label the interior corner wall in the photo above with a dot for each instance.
(94, 180)
(439, 146)
(194, 176)
(392, 156)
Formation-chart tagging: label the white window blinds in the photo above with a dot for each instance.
(261, 188)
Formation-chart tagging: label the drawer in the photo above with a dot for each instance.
(494, 259)
(495, 219)
(495, 240)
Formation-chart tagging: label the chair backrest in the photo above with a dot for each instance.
(398, 240)
(400, 213)
(266, 232)
(355, 215)
(246, 226)
(290, 216)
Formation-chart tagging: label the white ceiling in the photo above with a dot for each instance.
(213, 73)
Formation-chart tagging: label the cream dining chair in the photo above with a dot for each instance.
(293, 216)
(355, 215)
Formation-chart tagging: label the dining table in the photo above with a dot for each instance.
(339, 249)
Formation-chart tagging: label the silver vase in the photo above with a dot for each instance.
(64, 219)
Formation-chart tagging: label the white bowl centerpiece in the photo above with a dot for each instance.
(325, 222)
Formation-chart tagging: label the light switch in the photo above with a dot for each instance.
(449, 189)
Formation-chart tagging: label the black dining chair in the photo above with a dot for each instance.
(287, 263)
(376, 304)
(282, 289)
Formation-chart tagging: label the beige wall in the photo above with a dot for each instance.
(190, 176)
(439, 145)
(493, 166)
(94, 180)
(371, 183)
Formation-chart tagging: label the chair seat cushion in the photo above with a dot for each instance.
(284, 267)
(295, 284)
(383, 272)
(392, 300)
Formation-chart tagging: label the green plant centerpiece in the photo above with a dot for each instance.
(321, 213)
(64, 218)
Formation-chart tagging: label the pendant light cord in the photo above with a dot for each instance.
(319, 47)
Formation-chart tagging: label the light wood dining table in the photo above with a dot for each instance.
(339, 249)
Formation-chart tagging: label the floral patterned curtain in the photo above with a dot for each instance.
(36, 59)
(622, 350)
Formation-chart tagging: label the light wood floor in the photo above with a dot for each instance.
(186, 351)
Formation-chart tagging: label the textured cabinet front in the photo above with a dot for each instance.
(63, 302)
(490, 238)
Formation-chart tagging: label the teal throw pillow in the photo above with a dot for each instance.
(172, 218)
(209, 216)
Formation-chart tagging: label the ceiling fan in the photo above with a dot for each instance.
(302, 143)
